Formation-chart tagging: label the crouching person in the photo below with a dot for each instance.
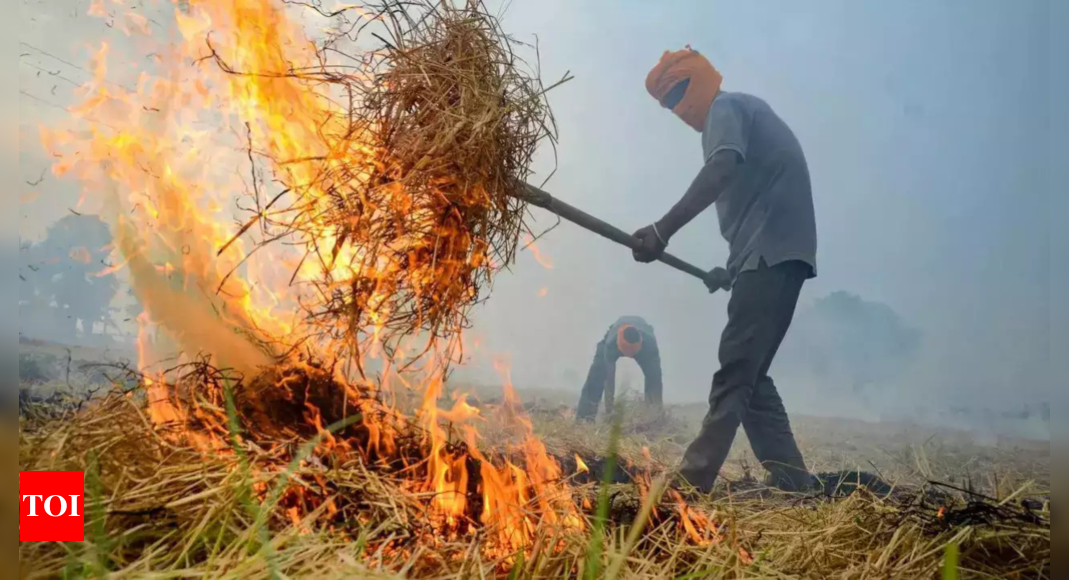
(631, 337)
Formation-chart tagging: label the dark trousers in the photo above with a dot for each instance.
(601, 380)
(759, 313)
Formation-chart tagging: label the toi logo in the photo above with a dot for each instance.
(52, 506)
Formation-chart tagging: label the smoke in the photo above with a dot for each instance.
(189, 314)
(855, 350)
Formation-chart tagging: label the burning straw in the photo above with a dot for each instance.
(414, 206)
(373, 171)
(265, 504)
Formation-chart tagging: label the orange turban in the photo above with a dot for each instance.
(626, 347)
(704, 84)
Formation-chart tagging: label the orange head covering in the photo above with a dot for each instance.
(627, 348)
(705, 80)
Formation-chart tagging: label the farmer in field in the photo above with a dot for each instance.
(756, 175)
(631, 337)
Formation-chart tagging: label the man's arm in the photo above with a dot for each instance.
(714, 178)
(725, 141)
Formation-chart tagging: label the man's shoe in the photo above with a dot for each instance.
(678, 483)
(785, 482)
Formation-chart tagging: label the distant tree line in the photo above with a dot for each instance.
(859, 342)
(65, 283)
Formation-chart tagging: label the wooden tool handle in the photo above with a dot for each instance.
(539, 198)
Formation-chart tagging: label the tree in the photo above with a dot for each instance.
(68, 273)
(842, 335)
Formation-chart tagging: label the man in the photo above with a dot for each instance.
(755, 173)
(631, 337)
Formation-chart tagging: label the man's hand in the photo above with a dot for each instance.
(651, 246)
(717, 279)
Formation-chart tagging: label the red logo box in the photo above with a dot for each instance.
(51, 506)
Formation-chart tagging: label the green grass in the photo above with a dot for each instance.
(950, 562)
(595, 554)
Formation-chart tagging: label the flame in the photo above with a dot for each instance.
(155, 179)
(698, 527)
(507, 497)
(580, 465)
(542, 259)
(447, 473)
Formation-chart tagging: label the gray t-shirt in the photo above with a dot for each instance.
(768, 212)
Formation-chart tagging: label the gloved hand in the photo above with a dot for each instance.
(651, 245)
(717, 279)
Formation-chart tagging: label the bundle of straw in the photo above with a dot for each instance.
(446, 120)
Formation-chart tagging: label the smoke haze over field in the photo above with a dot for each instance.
(925, 125)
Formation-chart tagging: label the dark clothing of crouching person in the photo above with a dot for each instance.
(630, 337)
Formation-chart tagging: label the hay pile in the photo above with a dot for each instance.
(432, 134)
(296, 399)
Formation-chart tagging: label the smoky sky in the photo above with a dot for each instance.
(926, 126)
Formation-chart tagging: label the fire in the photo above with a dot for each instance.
(580, 465)
(698, 527)
(447, 473)
(540, 257)
(516, 500)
